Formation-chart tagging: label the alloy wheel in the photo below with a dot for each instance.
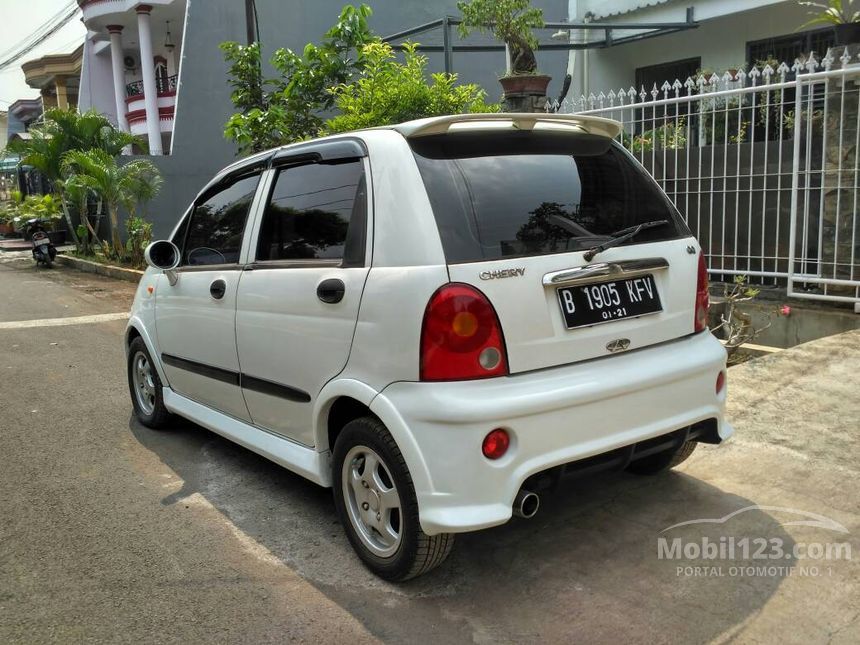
(372, 501)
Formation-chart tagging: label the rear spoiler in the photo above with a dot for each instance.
(514, 121)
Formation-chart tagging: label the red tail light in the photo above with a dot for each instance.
(702, 299)
(461, 337)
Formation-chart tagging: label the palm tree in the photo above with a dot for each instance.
(64, 131)
(116, 185)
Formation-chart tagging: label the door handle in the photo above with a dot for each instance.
(331, 291)
(217, 289)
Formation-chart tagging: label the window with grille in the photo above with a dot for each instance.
(652, 75)
(787, 48)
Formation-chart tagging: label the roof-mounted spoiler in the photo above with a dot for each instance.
(514, 121)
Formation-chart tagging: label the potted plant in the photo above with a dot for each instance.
(512, 22)
(6, 227)
(842, 14)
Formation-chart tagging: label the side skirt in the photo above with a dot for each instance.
(301, 460)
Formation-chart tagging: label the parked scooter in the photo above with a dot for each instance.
(43, 251)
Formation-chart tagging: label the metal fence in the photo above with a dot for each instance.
(762, 164)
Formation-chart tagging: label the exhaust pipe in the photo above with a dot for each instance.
(526, 504)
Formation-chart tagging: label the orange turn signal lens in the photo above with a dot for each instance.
(465, 324)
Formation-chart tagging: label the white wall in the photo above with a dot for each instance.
(719, 42)
(97, 80)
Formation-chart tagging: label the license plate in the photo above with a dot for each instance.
(44, 242)
(603, 302)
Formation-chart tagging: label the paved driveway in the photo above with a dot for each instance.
(116, 533)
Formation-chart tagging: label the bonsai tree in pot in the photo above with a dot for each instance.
(512, 22)
(843, 15)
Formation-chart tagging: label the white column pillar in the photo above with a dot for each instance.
(147, 67)
(116, 63)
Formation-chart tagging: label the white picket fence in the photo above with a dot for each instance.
(762, 164)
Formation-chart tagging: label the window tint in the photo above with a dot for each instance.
(217, 224)
(534, 194)
(316, 211)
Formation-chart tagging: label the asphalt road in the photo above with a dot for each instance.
(112, 532)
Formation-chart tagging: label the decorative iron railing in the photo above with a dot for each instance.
(163, 85)
(134, 89)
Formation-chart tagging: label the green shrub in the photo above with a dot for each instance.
(387, 92)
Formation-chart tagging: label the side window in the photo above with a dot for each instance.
(316, 211)
(218, 223)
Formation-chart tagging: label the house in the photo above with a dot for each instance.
(731, 35)
(21, 115)
(57, 77)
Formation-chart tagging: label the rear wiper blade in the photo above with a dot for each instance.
(619, 237)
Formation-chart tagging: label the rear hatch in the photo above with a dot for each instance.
(518, 212)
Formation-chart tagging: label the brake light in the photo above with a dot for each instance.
(702, 298)
(461, 337)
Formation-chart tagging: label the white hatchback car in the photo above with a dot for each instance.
(437, 319)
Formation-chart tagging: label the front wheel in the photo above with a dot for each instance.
(376, 504)
(145, 387)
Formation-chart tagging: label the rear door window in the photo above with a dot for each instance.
(535, 194)
(316, 211)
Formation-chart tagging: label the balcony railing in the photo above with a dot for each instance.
(163, 85)
(134, 89)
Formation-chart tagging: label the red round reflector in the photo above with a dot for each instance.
(496, 444)
(721, 381)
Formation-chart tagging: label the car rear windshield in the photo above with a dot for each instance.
(528, 193)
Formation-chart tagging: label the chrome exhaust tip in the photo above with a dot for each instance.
(526, 504)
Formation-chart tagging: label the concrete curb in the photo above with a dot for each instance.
(109, 270)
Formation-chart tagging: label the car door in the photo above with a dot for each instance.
(196, 316)
(298, 300)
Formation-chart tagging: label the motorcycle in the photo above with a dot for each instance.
(43, 251)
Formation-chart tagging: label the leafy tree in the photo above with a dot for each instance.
(116, 185)
(387, 91)
(275, 111)
(62, 132)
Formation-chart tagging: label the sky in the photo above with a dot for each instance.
(18, 19)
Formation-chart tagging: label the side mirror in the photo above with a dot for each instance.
(162, 255)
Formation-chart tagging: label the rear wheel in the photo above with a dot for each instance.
(654, 464)
(145, 387)
(376, 503)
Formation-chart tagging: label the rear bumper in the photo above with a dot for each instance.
(553, 416)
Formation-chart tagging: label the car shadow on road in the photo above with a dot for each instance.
(587, 566)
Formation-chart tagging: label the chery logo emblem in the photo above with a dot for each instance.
(618, 345)
(503, 273)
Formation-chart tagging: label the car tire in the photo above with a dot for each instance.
(366, 504)
(662, 461)
(144, 386)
